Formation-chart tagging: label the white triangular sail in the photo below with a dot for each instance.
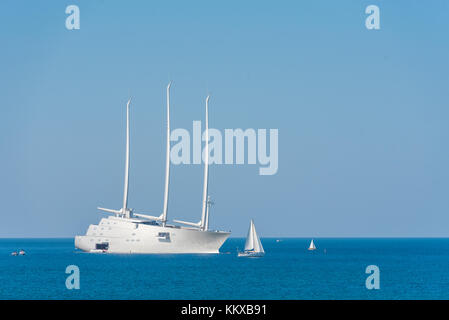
(249, 244)
(257, 244)
(252, 240)
(312, 245)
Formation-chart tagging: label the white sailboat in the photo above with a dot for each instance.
(253, 246)
(312, 246)
(127, 231)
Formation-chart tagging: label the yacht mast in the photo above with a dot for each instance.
(125, 210)
(206, 169)
(203, 224)
(209, 203)
(167, 163)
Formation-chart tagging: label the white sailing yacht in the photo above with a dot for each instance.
(126, 231)
(253, 246)
(312, 246)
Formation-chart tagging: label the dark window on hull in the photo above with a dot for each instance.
(164, 236)
(102, 246)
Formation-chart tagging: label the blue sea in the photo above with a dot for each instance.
(409, 269)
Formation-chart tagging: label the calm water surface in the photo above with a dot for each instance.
(409, 269)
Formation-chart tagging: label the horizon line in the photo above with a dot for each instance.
(284, 237)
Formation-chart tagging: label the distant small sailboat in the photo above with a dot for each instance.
(253, 246)
(312, 246)
(21, 252)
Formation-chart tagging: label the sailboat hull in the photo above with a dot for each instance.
(251, 254)
(121, 235)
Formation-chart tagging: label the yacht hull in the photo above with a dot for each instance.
(121, 235)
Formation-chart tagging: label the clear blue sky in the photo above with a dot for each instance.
(363, 116)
